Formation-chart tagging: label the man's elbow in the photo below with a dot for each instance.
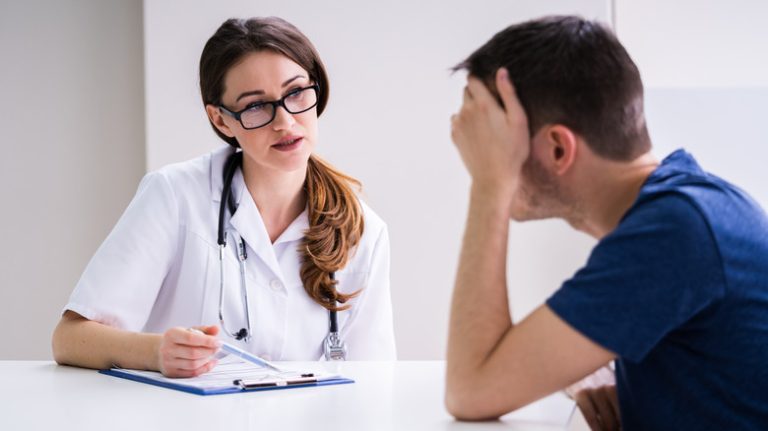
(468, 403)
(464, 409)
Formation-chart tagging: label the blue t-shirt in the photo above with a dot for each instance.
(679, 291)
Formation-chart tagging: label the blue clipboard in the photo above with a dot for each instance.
(220, 390)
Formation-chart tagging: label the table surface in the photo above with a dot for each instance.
(403, 395)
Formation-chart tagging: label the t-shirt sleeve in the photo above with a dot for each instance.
(654, 272)
(121, 282)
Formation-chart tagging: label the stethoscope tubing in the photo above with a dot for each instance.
(333, 341)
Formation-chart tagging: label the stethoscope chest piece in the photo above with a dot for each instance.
(335, 348)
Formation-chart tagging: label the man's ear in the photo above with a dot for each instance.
(214, 114)
(561, 144)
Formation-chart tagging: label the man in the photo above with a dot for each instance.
(675, 291)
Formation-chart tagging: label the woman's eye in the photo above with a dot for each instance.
(256, 107)
(295, 94)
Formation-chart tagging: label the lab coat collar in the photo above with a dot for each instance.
(247, 220)
(218, 159)
(248, 223)
(295, 231)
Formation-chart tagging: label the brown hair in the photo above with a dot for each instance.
(570, 71)
(335, 214)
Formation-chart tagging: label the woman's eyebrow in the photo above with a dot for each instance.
(288, 81)
(250, 93)
(261, 92)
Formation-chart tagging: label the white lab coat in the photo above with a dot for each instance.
(159, 268)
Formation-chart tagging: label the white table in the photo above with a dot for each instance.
(405, 395)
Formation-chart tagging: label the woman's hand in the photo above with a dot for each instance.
(186, 353)
(597, 400)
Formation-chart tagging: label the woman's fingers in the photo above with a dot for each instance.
(191, 352)
(184, 336)
(194, 372)
(187, 364)
(185, 353)
(208, 330)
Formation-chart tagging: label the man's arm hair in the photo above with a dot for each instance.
(493, 366)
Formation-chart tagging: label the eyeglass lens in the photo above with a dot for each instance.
(295, 102)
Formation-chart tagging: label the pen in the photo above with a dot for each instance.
(240, 353)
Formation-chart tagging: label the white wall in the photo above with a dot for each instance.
(722, 127)
(705, 69)
(387, 123)
(696, 43)
(73, 117)
(72, 135)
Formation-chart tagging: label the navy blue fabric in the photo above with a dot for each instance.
(679, 291)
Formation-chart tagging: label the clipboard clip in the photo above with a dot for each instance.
(301, 379)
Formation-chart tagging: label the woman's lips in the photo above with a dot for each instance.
(289, 144)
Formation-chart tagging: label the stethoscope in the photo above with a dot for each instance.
(334, 347)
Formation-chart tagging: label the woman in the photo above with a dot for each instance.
(293, 244)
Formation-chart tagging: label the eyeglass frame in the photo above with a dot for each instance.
(237, 115)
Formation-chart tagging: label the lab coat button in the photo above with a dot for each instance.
(276, 285)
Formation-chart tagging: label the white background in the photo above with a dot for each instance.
(112, 111)
(387, 124)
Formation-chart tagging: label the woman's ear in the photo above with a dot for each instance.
(562, 147)
(214, 114)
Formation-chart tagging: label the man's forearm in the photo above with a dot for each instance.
(480, 311)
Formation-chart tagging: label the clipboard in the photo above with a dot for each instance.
(232, 376)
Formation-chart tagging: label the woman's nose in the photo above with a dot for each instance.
(283, 119)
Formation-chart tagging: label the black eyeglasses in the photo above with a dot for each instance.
(259, 114)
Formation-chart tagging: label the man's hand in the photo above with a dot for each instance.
(596, 397)
(493, 142)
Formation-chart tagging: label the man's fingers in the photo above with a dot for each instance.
(478, 92)
(607, 412)
(508, 94)
(454, 127)
(613, 399)
(588, 409)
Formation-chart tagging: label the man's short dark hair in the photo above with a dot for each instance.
(570, 71)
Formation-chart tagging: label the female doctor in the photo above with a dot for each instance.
(259, 243)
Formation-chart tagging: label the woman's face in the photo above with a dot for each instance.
(284, 144)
